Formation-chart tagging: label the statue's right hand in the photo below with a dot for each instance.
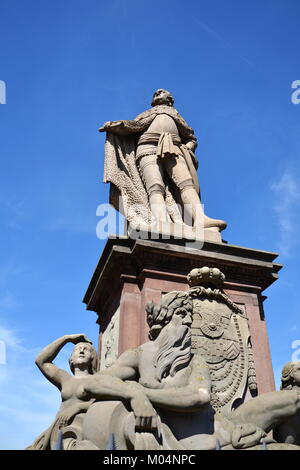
(67, 416)
(105, 126)
(204, 395)
(110, 125)
(145, 414)
(79, 338)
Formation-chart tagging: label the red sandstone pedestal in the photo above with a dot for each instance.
(132, 272)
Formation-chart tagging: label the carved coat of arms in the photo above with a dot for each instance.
(220, 334)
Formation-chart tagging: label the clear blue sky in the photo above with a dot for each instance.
(71, 65)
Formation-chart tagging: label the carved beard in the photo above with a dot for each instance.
(174, 351)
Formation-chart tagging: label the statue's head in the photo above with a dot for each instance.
(175, 306)
(290, 376)
(84, 355)
(170, 322)
(162, 96)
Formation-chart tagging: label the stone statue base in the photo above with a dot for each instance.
(132, 272)
(166, 231)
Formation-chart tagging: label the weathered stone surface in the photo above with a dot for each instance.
(110, 341)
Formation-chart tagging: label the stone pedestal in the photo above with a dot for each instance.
(132, 272)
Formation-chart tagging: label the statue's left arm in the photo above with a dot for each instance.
(111, 384)
(191, 395)
(124, 127)
(188, 138)
(187, 397)
(67, 415)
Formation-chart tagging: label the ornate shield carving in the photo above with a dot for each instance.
(220, 334)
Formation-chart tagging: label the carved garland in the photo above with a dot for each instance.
(217, 402)
(216, 294)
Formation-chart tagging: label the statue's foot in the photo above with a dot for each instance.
(209, 223)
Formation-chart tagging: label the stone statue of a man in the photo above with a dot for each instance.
(151, 165)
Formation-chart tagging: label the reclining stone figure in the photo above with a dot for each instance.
(157, 396)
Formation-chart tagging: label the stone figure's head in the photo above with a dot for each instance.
(84, 356)
(290, 376)
(175, 306)
(161, 96)
(169, 323)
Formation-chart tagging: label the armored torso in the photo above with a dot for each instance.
(163, 123)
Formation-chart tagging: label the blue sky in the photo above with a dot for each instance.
(71, 65)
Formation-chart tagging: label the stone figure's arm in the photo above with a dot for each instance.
(67, 415)
(126, 367)
(190, 147)
(44, 360)
(189, 141)
(187, 133)
(125, 127)
(188, 397)
(200, 375)
(110, 384)
(268, 410)
(191, 144)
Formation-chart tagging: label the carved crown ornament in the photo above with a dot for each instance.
(207, 283)
(205, 275)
